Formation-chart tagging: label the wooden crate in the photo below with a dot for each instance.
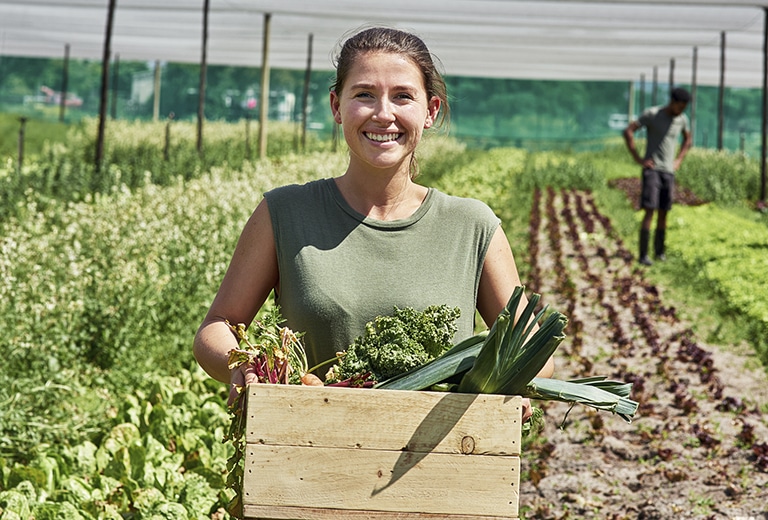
(317, 453)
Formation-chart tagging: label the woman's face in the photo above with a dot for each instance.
(383, 109)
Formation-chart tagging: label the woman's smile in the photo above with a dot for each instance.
(383, 138)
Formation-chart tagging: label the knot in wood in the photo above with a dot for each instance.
(467, 445)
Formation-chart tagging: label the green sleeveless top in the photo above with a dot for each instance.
(340, 269)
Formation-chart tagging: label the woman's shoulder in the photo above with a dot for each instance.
(463, 207)
(297, 190)
(455, 202)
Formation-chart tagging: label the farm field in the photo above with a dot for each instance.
(697, 447)
(104, 414)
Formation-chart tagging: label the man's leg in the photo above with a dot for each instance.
(658, 239)
(645, 235)
(665, 204)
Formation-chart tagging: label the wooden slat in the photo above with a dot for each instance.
(383, 419)
(305, 513)
(351, 454)
(344, 478)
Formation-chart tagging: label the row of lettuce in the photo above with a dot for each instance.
(103, 412)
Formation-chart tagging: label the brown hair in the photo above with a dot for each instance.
(384, 39)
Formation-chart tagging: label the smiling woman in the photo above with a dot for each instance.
(339, 252)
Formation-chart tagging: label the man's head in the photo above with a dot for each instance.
(679, 98)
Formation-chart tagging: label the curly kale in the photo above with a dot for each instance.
(395, 344)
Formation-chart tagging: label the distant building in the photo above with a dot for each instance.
(142, 87)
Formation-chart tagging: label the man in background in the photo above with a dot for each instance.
(664, 125)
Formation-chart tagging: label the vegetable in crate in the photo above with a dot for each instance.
(395, 344)
(506, 361)
(276, 355)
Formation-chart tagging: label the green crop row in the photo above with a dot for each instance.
(730, 254)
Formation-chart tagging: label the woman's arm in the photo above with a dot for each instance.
(251, 276)
(497, 282)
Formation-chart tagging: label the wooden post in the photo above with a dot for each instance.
(721, 94)
(694, 71)
(64, 84)
(305, 97)
(764, 137)
(156, 100)
(115, 77)
(104, 85)
(167, 147)
(264, 104)
(23, 121)
(671, 74)
(248, 136)
(203, 71)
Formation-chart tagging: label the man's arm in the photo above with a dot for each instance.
(629, 139)
(687, 143)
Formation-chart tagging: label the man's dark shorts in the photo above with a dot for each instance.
(658, 190)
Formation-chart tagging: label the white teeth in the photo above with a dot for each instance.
(382, 138)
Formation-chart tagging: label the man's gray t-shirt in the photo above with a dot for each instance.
(663, 133)
(340, 269)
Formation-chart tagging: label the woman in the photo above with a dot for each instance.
(339, 252)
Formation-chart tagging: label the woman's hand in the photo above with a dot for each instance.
(245, 374)
(241, 377)
(527, 409)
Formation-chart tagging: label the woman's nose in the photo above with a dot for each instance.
(383, 111)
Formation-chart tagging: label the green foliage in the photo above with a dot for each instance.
(104, 279)
(135, 155)
(394, 344)
(548, 169)
(724, 177)
(728, 252)
(156, 456)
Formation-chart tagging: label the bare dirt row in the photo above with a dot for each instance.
(698, 446)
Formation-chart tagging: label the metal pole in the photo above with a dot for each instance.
(655, 90)
(64, 83)
(721, 95)
(264, 105)
(203, 71)
(305, 97)
(642, 94)
(104, 85)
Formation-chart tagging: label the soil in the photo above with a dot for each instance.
(697, 447)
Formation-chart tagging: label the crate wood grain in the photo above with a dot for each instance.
(318, 453)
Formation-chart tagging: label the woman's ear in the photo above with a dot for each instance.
(334, 100)
(433, 108)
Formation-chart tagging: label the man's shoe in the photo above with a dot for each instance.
(661, 258)
(645, 260)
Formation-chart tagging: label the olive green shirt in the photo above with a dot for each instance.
(340, 269)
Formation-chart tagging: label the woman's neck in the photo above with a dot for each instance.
(383, 198)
